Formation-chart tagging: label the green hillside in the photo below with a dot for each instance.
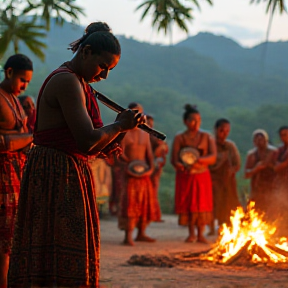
(223, 78)
(265, 58)
(164, 78)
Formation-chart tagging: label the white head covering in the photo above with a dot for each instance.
(262, 132)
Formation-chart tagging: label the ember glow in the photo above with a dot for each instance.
(250, 234)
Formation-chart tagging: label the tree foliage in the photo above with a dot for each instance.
(58, 9)
(16, 29)
(19, 22)
(165, 13)
(272, 5)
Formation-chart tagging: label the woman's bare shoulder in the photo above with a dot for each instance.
(63, 85)
(251, 152)
(179, 135)
(205, 133)
(230, 143)
(63, 80)
(272, 148)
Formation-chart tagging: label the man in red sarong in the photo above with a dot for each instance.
(14, 143)
(138, 204)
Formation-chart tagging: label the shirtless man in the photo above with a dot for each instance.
(137, 207)
(14, 143)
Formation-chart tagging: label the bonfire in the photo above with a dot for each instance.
(248, 234)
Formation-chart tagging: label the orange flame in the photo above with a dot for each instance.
(250, 232)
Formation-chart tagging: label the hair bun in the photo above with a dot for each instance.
(91, 28)
(189, 107)
(96, 27)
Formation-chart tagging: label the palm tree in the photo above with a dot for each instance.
(15, 29)
(272, 5)
(51, 7)
(168, 12)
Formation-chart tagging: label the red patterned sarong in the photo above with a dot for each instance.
(11, 166)
(56, 241)
(137, 204)
(193, 196)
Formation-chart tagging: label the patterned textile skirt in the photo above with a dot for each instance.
(138, 204)
(56, 240)
(11, 166)
(193, 198)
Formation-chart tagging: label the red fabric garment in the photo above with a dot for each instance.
(137, 204)
(193, 192)
(11, 167)
(57, 240)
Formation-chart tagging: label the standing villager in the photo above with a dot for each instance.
(223, 174)
(14, 143)
(280, 194)
(57, 241)
(259, 168)
(137, 204)
(193, 151)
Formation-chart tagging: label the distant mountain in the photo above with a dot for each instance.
(266, 58)
(211, 71)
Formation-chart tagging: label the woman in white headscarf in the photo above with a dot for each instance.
(259, 168)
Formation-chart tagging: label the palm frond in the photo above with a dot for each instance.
(272, 5)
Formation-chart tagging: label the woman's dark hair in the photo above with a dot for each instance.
(99, 36)
(285, 127)
(220, 122)
(189, 109)
(19, 62)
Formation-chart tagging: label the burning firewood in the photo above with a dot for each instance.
(248, 232)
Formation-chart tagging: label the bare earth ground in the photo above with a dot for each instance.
(115, 272)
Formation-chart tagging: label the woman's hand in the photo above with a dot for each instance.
(260, 166)
(129, 119)
(179, 166)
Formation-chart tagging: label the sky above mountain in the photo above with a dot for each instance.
(237, 19)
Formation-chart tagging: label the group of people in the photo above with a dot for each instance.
(49, 224)
(205, 185)
(267, 167)
(206, 167)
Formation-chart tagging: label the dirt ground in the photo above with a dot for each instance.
(115, 272)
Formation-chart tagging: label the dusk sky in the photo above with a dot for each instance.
(236, 19)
